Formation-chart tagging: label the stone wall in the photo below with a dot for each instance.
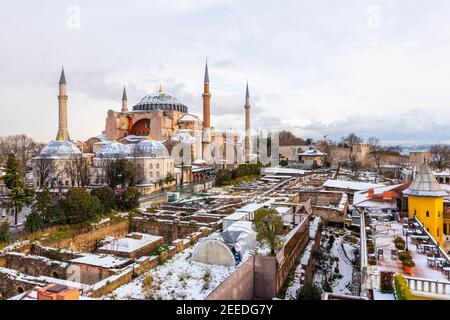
(90, 274)
(325, 204)
(297, 241)
(11, 285)
(88, 242)
(52, 253)
(36, 266)
(142, 251)
(169, 229)
(240, 285)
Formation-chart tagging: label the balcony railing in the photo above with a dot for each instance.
(427, 286)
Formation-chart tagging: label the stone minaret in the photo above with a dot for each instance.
(63, 133)
(247, 143)
(206, 99)
(124, 101)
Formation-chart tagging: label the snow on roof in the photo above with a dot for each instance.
(101, 260)
(350, 185)
(251, 207)
(425, 184)
(312, 152)
(238, 215)
(189, 117)
(279, 170)
(130, 244)
(283, 210)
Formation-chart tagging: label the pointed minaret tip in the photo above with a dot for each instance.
(247, 93)
(124, 95)
(62, 79)
(206, 71)
(160, 88)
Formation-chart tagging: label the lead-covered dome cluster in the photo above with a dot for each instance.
(59, 149)
(113, 150)
(150, 148)
(162, 101)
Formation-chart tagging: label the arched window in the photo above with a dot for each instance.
(157, 174)
(439, 214)
(157, 166)
(151, 166)
(428, 214)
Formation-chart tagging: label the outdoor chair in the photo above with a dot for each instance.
(380, 254)
(393, 254)
(419, 249)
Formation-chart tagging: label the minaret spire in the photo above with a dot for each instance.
(124, 100)
(63, 132)
(206, 72)
(247, 142)
(62, 78)
(206, 99)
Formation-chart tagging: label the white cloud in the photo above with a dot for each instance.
(315, 67)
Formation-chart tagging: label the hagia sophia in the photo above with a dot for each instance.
(158, 134)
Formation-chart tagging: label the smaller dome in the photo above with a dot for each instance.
(59, 149)
(130, 149)
(151, 148)
(183, 137)
(112, 150)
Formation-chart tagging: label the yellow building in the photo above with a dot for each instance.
(426, 202)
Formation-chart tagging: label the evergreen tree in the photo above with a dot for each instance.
(269, 226)
(20, 195)
(309, 291)
(128, 199)
(41, 211)
(107, 197)
(79, 206)
(5, 235)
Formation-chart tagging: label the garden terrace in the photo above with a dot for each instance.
(383, 237)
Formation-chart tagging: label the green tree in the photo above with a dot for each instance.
(169, 178)
(107, 197)
(79, 206)
(128, 199)
(41, 211)
(43, 206)
(309, 291)
(34, 222)
(269, 226)
(20, 195)
(5, 235)
(120, 172)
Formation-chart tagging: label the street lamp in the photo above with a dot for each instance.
(407, 248)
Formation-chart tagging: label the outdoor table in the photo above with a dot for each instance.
(431, 261)
(446, 271)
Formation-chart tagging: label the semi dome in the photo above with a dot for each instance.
(59, 149)
(161, 101)
(151, 149)
(112, 150)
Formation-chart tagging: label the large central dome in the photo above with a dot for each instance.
(161, 101)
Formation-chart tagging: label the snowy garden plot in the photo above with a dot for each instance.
(179, 278)
(335, 261)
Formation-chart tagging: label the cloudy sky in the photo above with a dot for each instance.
(320, 68)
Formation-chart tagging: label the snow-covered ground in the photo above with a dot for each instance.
(335, 267)
(179, 278)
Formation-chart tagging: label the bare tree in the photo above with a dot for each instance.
(45, 169)
(440, 155)
(23, 147)
(377, 152)
(326, 146)
(350, 141)
(78, 171)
